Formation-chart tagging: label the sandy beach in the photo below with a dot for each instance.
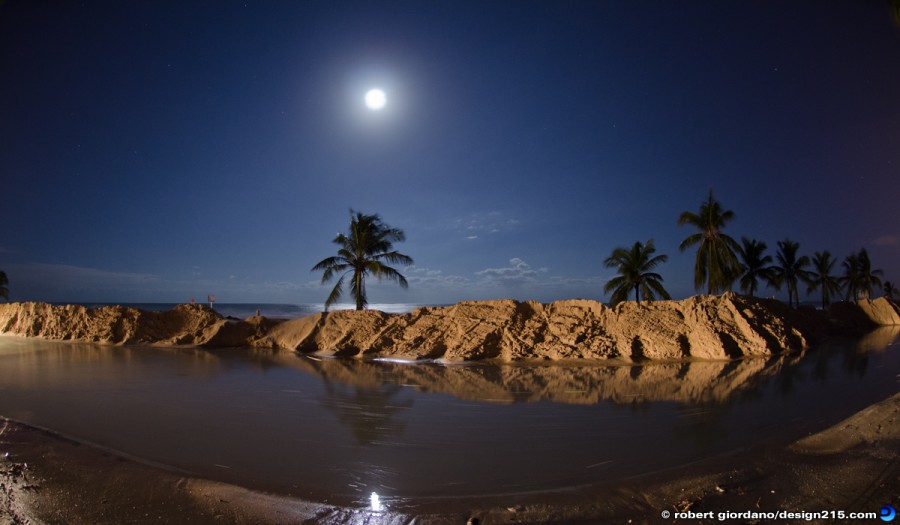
(850, 467)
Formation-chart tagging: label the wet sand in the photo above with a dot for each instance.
(851, 467)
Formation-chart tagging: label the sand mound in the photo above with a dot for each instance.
(703, 327)
(866, 313)
(184, 324)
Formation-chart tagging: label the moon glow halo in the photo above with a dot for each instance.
(375, 99)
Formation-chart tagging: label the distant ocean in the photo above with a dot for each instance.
(270, 310)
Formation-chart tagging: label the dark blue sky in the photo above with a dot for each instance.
(154, 151)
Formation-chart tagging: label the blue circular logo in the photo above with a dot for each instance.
(888, 513)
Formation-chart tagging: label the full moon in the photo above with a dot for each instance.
(375, 99)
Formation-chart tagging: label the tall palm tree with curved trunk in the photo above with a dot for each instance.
(717, 265)
(364, 250)
(790, 269)
(634, 266)
(754, 264)
(820, 277)
(4, 286)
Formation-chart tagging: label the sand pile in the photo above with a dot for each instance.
(703, 327)
(184, 324)
(863, 314)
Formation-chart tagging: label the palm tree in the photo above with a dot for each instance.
(4, 286)
(859, 277)
(716, 265)
(754, 264)
(851, 276)
(821, 279)
(889, 291)
(362, 251)
(868, 279)
(790, 270)
(634, 268)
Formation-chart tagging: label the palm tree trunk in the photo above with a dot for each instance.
(708, 274)
(637, 295)
(359, 290)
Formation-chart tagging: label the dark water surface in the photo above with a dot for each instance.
(338, 430)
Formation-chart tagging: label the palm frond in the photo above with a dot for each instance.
(394, 257)
(325, 263)
(690, 241)
(615, 283)
(336, 293)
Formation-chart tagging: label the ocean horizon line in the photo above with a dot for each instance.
(247, 309)
(243, 310)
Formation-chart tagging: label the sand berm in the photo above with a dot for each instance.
(702, 327)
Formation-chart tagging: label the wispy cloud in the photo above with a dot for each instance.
(886, 240)
(518, 279)
(431, 278)
(517, 273)
(483, 223)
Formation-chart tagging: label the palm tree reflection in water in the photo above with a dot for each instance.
(371, 413)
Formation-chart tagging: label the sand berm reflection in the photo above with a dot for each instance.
(687, 382)
(694, 382)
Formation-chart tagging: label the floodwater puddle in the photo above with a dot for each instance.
(342, 430)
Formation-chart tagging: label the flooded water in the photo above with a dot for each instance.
(338, 430)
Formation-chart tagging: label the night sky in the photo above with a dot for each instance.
(159, 150)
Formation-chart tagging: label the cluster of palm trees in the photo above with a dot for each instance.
(721, 262)
(4, 286)
(367, 247)
(858, 281)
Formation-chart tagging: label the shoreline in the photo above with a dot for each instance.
(852, 466)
